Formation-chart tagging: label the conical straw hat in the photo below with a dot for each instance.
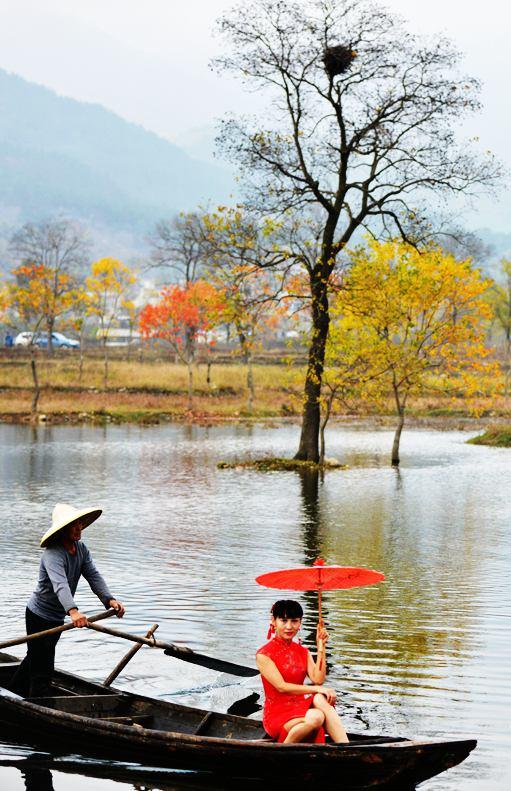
(64, 515)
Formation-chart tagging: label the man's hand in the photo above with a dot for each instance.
(118, 607)
(78, 618)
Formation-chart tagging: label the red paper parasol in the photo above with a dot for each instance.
(319, 578)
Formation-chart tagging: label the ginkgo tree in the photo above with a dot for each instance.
(108, 288)
(413, 320)
(183, 317)
(36, 292)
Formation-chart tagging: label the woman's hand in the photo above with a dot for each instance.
(78, 618)
(118, 607)
(321, 635)
(329, 693)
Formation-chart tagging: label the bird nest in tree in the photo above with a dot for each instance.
(338, 59)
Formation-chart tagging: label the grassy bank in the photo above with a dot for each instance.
(154, 390)
(495, 436)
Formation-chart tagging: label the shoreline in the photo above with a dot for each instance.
(374, 422)
(155, 392)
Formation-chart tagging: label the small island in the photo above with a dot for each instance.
(272, 464)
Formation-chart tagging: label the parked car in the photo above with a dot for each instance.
(59, 340)
(23, 339)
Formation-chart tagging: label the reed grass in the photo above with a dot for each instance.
(170, 377)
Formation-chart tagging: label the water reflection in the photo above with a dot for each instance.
(424, 654)
(109, 775)
(37, 779)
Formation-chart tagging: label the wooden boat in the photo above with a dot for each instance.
(85, 717)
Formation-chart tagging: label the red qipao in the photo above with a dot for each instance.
(280, 707)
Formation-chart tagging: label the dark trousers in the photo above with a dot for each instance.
(33, 677)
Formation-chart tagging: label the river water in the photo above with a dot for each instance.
(424, 654)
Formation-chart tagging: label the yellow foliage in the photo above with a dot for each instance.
(403, 315)
(39, 294)
(235, 269)
(4, 300)
(107, 289)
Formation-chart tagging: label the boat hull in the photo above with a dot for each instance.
(91, 719)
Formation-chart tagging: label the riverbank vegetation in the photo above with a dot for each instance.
(496, 436)
(152, 390)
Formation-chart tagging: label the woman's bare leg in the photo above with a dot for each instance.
(299, 730)
(333, 724)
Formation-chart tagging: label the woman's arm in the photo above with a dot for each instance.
(271, 673)
(316, 670)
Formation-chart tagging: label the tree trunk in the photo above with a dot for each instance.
(190, 359)
(105, 363)
(246, 352)
(50, 324)
(397, 438)
(400, 408)
(190, 385)
(507, 375)
(209, 363)
(37, 389)
(308, 449)
(80, 368)
(250, 383)
(328, 410)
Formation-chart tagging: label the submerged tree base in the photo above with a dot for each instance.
(271, 464)
(496, 436)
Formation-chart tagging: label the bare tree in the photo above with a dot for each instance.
(177, 245)
(360, 124)
(60, 246)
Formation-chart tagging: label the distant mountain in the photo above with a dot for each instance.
(61, 155)
(499, 242)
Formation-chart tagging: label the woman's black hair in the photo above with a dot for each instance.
(287, 608)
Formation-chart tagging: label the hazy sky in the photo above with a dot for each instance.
(148, 61)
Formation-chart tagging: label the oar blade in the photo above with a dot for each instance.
(221, 665)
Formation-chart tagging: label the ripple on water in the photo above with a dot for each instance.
(426, 653)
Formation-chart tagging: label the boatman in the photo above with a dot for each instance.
(65, 559)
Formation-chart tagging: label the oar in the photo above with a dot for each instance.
(181, 652)
(127, 657)
(55, 629)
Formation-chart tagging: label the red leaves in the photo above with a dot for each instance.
(183, 315)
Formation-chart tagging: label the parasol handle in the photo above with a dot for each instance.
(320, 624)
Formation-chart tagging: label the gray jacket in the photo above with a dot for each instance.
(59, 572)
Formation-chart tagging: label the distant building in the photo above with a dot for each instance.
(119, 336)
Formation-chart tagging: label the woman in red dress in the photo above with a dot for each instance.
(293, 711)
